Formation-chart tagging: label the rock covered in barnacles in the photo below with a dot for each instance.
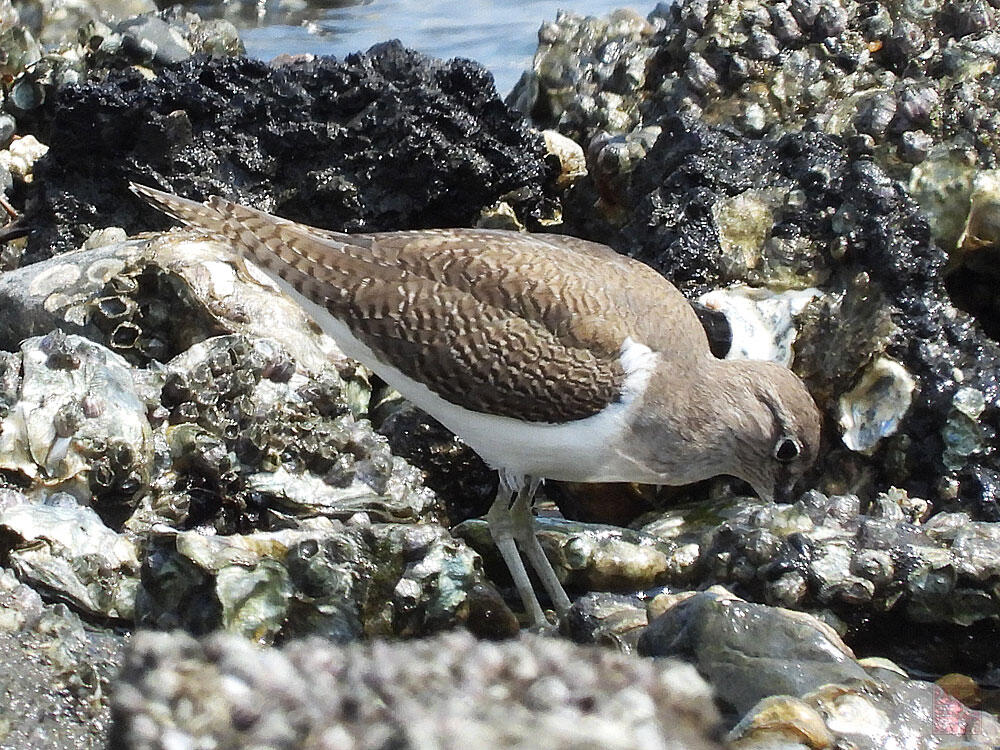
(616, 48)
(340, 582)
(835, 222)
(270, 461)
(63, 549)
(54, 24)
(446, 691)
(18, 41)
(823, 554)
(86, 41)
(74, 421)
(593, 557)
(57, 671)
(251, 440)
(153, 299)
(908, 80)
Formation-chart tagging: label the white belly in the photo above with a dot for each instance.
(580, 451)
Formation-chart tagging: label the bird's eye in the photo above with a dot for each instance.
(787, 449)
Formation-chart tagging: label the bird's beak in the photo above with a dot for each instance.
(784, 492)
(781, 492)
(764, 492)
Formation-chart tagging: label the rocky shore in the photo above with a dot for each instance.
(216, 531)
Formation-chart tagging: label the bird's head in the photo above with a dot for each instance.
(749, 419)
(775, 429)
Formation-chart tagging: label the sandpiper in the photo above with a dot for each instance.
(551, 356)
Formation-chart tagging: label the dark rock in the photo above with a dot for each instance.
(831, 20)
(451, 468)
(889, 564)
(783, 24)
(614, 620)
(761, 45)
(385, 140)
(914, 146)
(750, 651)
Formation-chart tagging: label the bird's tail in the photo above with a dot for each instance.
(283, 249)
(223, 218)
(193, 214)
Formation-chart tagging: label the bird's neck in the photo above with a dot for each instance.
(684, 426)
(707, 402)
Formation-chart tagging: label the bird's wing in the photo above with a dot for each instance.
(497, 322)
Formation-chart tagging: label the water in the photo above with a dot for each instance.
(501, 34)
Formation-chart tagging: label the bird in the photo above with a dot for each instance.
(553, 357)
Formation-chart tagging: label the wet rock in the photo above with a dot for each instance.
(614, 620)
(447, 691)
(87, 41)
(749, 651)
(452, 469)
(592, 557)
(57, 673)
(793, 680)
(781, 718)
(892, 710)
(385, 140)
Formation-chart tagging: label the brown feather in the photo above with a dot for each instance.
(528, 326)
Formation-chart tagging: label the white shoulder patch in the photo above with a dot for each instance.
(638, 361)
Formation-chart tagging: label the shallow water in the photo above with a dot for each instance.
(501, 34)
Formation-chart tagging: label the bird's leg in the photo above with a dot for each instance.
(501, 526)
(525, 534)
